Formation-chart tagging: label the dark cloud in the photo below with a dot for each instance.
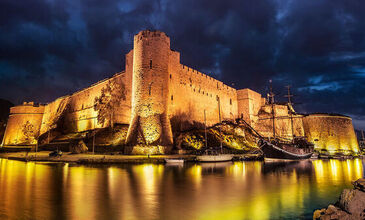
(49, 48)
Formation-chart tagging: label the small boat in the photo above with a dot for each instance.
(284, 151)
(174, 161)
(214, 158)
(213, 155)
(56, 153)
(210, 154)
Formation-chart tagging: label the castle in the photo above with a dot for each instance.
(160, 94)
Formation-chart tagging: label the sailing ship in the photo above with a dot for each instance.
(279, 148)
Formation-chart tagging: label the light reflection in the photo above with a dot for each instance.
(195, 175)
(239, 190)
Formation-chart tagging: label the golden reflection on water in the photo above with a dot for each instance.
(239, 190)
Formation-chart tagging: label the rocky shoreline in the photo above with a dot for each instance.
(351, 204)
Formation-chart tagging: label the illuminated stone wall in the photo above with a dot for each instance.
(331, 132)
(23, 124)
(249, 104)
(80, 114)
(193, 92)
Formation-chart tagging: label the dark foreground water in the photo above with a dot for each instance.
(239, 190)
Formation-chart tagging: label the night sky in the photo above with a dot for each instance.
(53, 48)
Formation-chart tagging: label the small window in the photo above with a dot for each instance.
(150, 64)
(172, 98)
(230, 101)
(170, 76)
(150, 88)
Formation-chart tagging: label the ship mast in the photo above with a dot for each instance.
(205, 129)
(272, 102)
(290, 110)
(220, 121)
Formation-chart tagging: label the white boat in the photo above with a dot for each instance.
(214, 158)
(174, 161)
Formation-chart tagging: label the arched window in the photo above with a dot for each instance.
(150, 64)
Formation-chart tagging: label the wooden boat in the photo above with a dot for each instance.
(284, 151)
(278, 148)
(174, 161)
(214, 158)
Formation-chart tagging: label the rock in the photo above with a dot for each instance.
(331, 209)
(317, 214)
(359, 184)
(351, 204)
(353, 201)
(78, 147)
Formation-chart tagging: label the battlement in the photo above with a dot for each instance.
(27, 108)
(148, 34)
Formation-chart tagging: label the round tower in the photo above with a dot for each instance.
(150, 87)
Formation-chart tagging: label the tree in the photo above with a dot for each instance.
(29, 133)
(111, 96)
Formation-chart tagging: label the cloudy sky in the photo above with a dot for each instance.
(50, 48)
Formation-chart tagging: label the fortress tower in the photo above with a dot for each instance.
(150, 89)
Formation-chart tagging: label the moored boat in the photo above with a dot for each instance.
(214, 158)
(284, 151)
(174, 161)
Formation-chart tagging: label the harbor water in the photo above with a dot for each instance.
(228, 190)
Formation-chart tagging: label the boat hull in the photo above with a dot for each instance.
(274, 152)
(214, 158)
(174, 161)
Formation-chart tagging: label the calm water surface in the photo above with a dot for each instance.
(234, 190)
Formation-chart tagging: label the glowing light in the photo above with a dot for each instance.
(195, 172)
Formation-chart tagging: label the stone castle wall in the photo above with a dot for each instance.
(192, 93)
(78, 108)
(23, 124)
(330, 132)
(249, 104)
